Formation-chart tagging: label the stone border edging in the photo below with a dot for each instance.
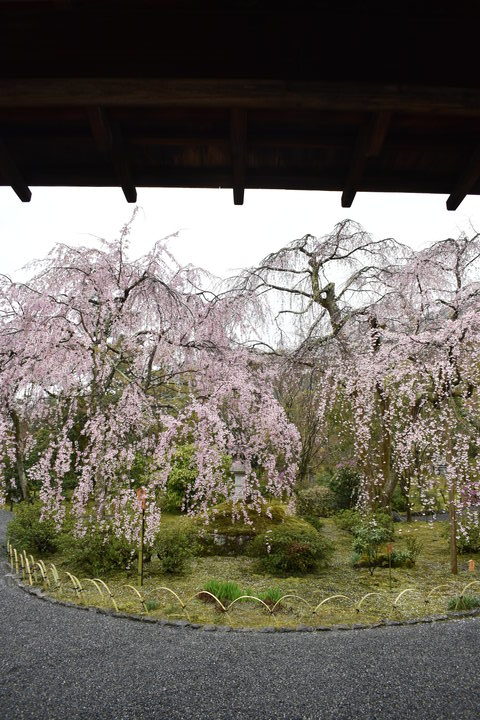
(39, 593)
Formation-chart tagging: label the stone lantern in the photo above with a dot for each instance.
(239, 473)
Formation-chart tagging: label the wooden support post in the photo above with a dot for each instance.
(369, 143)
(109, 141)
(12, 174)
(238, 138)
(466, 182)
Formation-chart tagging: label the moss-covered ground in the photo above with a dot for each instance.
(424, 596)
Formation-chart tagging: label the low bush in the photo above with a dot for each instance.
(97, 552)
(175, 547)
(464, 602)
(291, 550)
(348, 520)
(353, 520)
(316, 522)
(152, 604)
(316, 501)
(28, 532)
(399, 558)
(469, 540)
(345, 484)
(368, 539)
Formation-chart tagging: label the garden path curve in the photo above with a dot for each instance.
(59, 662)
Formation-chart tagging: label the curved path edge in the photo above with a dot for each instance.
(37, 592)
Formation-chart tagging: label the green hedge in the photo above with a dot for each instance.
(291, 549)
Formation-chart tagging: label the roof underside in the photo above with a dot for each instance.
(349, 96)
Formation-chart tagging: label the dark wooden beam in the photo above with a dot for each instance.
(267, 94)
(12, 175)
(109, 141)
(466, 182)
(238, 138)
(369, 143)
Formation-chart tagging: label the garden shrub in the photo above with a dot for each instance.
(175, 547)
(405, 557)
(368, 539)
(469, 540)
(291, 550)
(316, 501)
(316, 522)
(345, 484)
(352, 520)
(348, 520)
(27, 532)
(464, 602)
(98, 552)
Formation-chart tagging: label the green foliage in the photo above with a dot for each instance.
(230, 519)
(180, 479)
(182, 476)
(399, 502)
(27, 532)
(97, 553)
(405, 557)
(414, 547)
(291, 550)
(175, 547)
(316, 522)
(226, 592)
(464, 602)
(345, 484)
(271, 596)
(368, 538)
(469, 540)
(152, 604)
(316, 501)
(348, 520)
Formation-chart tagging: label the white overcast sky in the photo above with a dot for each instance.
(215, 234)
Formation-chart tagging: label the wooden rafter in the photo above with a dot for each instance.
(266, 94)
(369, 143)
(12, 175)
(109, 141)
(466, 182)
(238, 137)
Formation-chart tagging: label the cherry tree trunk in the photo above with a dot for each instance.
(20, 432)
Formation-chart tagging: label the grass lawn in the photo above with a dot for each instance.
(432, 569)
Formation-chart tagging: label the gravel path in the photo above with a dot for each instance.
(59, 663)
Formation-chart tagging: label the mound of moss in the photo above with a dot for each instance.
(230, 527)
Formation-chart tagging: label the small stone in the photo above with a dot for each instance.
(209, 628)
